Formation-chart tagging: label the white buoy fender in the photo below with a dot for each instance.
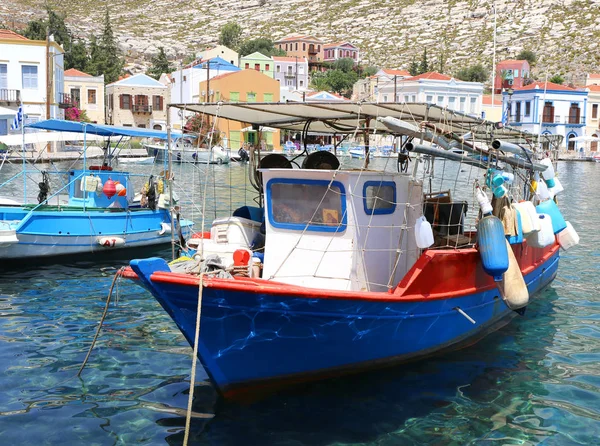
(165, 229)
(111, 242)
(8, 237)
(512, 287)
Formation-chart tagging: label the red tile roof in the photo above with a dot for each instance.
(8, 34)
(433, 75)
(74, 72)
(221, 76)
(336, 44)
(549, 86)
(594, 76)
(294, 38)
(487, 99)
(396, 72)
(593, 87)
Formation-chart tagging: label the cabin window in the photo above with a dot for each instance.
(314, 205)
(379, 197)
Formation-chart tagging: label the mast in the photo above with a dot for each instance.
(169, 179)
(494, 58)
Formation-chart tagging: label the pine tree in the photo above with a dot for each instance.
(413, 69)
(95, 59)
(110, 63)
(160, 64)
(78, 56)
(424, 66)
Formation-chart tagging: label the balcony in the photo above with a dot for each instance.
(66, 100)
(141, 108)
(10, 97)
(289, 75)
(568, 120)
(312, 49)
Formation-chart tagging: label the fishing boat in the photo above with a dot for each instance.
(87, 210)
(184, 151)
(339, 269)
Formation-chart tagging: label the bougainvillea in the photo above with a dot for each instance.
(202, 126)
(75, 114)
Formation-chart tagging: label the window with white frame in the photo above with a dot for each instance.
(406, 98)
(463, 103)
(385, 98)
(440, 100)
(473, 105)
(429, 99)
(3, 76)
(452, 103)
(413, 98)
(30, 76)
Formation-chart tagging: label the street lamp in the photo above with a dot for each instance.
(509, 92)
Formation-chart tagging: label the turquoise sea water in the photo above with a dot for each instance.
(536, 381)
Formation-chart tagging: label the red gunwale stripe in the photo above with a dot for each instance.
(251, 285)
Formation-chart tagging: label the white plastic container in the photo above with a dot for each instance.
(558, 188)
(548, 174)
(484, 202)
(568, 237)
(529, 217)
(542, 191)
(545, 236)
(423, 233)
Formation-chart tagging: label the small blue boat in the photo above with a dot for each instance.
(86, 211)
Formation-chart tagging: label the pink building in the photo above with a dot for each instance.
(339, 50)
(511, 74)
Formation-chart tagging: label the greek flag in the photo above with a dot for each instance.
(18, 119)
(505, 116)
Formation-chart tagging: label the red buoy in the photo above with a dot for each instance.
(109, 188)
(241, 257)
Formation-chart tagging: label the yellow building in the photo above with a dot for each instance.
(87, 93)
(244, 86)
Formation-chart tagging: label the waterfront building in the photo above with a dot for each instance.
(491, 107)
(340, 50)
(258, 62)
(137, 101)
(184, 84)
(244, 86)
(86, 92)
(31, 75)
(511, 73)
(222, 52)
(308, 47)
(291, 72)
(593, 115)
(547, 108)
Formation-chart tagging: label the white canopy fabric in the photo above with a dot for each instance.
(44, 137)
(585, 138)
(262, 129)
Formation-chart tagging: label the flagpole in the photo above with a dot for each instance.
(22, 123)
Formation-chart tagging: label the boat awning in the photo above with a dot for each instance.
(17, 139)
(338, 117)
(59, 125)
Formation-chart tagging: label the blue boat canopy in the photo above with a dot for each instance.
(59, 125)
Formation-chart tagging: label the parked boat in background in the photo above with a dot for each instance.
(341, 269)
(184, 151)
(88, 210)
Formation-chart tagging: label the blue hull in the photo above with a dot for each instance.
(250, 339)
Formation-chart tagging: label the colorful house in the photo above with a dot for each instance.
(593, 115)
(291, 72)
(258, 62)
(137, 101)
(245, 86)
(491, 107)
(222, 52)
(364, 89)
(340, 50)
(86, 92)
(31, 76)
(548, 108)
(184, 84)
(308, 47)
(511, 74)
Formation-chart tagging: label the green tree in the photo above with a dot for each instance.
(345, 64)
(474, 73)
(557, 79)
(527, 55)
(413, 69)
(424, 65)
(111, 62)
(36, 30)
(95, 59)
(231, 35)
(78, 56)
(160, 64)
(261, 45)
(368, 71)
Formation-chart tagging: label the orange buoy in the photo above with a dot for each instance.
(109, 188)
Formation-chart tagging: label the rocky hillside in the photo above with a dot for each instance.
(563, 33)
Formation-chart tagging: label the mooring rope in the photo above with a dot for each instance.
(188, 416)
(118, 274)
